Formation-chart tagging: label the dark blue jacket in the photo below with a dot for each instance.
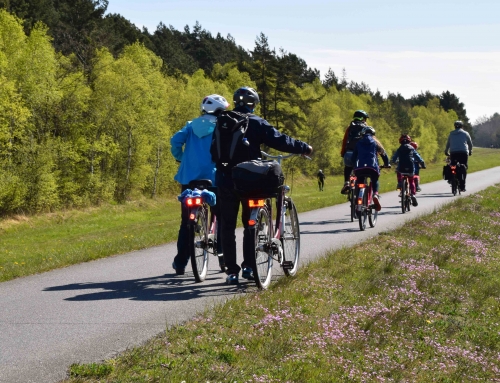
(261, 132)
(365, 155)
(406, 155)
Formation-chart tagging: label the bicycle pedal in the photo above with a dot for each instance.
(287, 265)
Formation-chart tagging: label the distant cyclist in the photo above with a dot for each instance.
(191, 147)
(459, 148)
(417, 166)
(351, 136)
(365, 160)
(321, 179)
(406, 156)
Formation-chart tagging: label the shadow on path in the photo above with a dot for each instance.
(168, 287)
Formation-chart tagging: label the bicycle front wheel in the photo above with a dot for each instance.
(363, 215)
(290, 239)
(198, 234)
(263, 257)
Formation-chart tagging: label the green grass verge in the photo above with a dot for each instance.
(30, 245)
(419, 304)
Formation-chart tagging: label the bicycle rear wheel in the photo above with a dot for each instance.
(290, 239)
(403, 196)
(263, 257)
(198, 239)
(363, 215)
(454, 185)
(353, 205)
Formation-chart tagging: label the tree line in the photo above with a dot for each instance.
(91, 123)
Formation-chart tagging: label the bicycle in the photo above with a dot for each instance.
(351, 196)
(202, 231)
(365, 208)
(278, 241)
(405, 193)
(454, 178)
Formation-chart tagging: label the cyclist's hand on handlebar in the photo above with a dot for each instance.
(308, 152)
(470, 152)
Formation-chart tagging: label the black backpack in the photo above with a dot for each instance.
(229, 146)
(354, 136)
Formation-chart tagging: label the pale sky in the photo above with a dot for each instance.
(400, 46)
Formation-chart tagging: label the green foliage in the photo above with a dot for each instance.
(487, 132)
(81, 126)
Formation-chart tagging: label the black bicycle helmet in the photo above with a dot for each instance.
(368, 130)
(458, 124)
(246, 96)
(360, 115)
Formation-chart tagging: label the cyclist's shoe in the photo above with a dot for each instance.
(247, 273)
(414, 200)
(376, 202)
(418, 189)
(178, 270)
(232, 279)
(345, 189)
(462, 190)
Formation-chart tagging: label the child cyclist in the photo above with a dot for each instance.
(406, 156)
(191, 147)
(418, 165)
(365, 161)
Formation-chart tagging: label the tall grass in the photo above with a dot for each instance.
(420, 304)
(40, 243)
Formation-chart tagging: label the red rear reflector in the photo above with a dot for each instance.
(360, 201)
(361, 185)
(251, 222)
(192, 216)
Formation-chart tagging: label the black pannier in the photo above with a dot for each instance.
(257, 178)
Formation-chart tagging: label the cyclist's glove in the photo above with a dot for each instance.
(470, 152)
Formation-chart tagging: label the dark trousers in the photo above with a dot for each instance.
(229, 205)
(361, 178)
(347, 173)
(462, 158)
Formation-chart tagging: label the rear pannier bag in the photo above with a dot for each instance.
(257, 178)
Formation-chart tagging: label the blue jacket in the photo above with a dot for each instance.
(407, 156)
(261, 132)
(365, 154)
(191, 146)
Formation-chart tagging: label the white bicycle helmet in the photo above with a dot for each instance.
(213, 103)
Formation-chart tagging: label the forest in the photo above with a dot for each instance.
(89, 103)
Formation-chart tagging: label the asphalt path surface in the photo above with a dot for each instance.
(92, 311)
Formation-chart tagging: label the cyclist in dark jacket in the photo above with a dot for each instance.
(259, 132)
(406, 156)
(417, 166)
(351, 136)
(365, 160)
(321, 179)
(459, 148)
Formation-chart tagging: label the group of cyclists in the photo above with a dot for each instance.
(360, 150)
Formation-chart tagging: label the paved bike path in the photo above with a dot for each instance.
(90, 312)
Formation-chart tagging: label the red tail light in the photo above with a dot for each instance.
(195, 201)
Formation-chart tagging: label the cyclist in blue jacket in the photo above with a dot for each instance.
(365, 160)
(191, 147)
(406, 156)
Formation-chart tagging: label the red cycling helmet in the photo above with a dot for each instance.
(414, 144)
(404, 138)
